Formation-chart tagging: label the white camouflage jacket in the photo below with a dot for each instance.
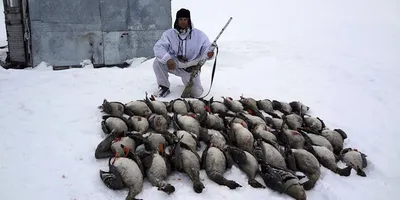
(191, 44)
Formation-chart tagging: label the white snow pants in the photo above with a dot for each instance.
(161, 71)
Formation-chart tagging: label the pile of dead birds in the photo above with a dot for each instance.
(270, 138)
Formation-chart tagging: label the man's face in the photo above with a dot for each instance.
(183, 22)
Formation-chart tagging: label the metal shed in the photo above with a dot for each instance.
(65, 32)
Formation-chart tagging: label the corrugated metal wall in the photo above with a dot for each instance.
(105, 31)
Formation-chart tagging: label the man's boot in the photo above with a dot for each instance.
(162, 92)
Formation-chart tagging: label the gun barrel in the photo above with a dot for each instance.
(223, 29)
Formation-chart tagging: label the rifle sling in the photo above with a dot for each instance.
(212, 74)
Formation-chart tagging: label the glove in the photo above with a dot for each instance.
(184, 65)
(171, 64)
(210, 54)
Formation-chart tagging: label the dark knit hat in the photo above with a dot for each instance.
(183, 13)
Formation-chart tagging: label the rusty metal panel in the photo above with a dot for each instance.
(15, 34)
(123, 45)
(16, 43)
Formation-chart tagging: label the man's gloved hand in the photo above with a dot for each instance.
(210, 54)
(184, 65)
(171, 64)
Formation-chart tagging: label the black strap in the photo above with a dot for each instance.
(212, 74)
(180, 46)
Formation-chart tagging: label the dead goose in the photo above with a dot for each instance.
(275, 114)
(247, 162)
(270, 154)
(355, 159)
(296, 140)
(258, 117)
(198, 106)
(286, 150)
(277, 124)
(336, 137)
(299, 108)
(325, 156)
(217, 106)
(317, 140)
(213, 121)
(265, 105)
(139, 124)
(157, 107)
(189, 139)
(117, 123)
(128, 142)
(307, 163)
(313, 123)
(234, 119)
(284, 107)
(241, 137)
(233, 105)
(262, 131)
(282, 181)
(111, 145)
(138, 107)
(288, 137)
(218, 138)
(125, 172)
(180, 106)
(157, 168)
(103, 149)
(248, 103)
(253, 118)
(152, 140)
(190, 123)
(294, 121)
(159, 123)
(250, 118)
(328, 159)
(113, 108)
(216, 162)
(187, 161)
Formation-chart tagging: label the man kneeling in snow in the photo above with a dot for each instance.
(177, 50)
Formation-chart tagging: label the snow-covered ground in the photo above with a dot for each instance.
(339, 57)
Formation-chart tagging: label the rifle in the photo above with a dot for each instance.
(196, 68)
